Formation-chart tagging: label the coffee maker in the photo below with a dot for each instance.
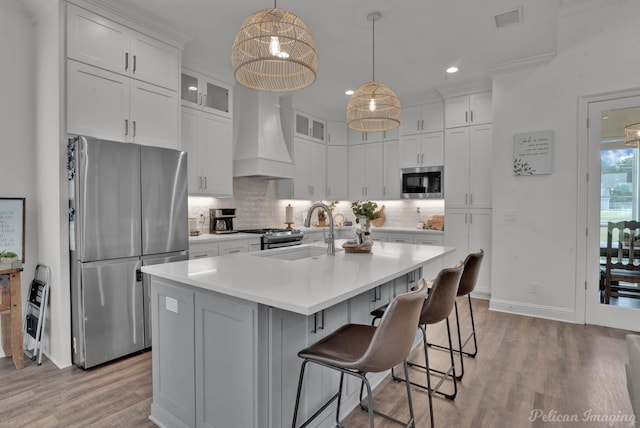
(222, 220)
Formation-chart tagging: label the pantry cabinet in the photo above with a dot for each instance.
(392, 184)
(422, 150)
(467, 172)
(365, 171)
(423, 118)
(103, 43)
(474, 109)
(469, 231)
(111, 106)
(337, 133)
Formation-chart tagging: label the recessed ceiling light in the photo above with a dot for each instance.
(349, 92)
(452, 70)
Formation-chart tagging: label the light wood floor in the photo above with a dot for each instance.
(523, 364)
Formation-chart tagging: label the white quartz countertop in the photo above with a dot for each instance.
(304, 286)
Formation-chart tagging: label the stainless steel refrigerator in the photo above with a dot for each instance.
(128, 208)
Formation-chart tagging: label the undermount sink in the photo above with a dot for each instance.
(295, 253)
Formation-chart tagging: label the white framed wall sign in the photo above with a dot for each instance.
(532, 153)
(12, 226)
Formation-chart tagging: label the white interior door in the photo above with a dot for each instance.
(612, 195)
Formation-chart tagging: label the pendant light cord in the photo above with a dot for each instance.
(373, 23)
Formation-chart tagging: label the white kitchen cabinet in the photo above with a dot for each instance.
(337, 172)
(422, 119)
(422, 150)
(202, 92)
(207, 138)
(474, 109)
(232, 322)
(422, 239)
(392, 184)
(377, 235)
(398, 237)
(233, 246)
(309, 127)
(357, 137)
(313, 237)
(467, 172)
(101, 42)
(469, 231)
(337, 133)
(365, 171)
(111, 106)
(325, 380)
(200, 250)
(310, 169)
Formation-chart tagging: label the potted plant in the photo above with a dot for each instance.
(365, 211)
(322, 215)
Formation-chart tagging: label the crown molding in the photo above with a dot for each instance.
(522, 64)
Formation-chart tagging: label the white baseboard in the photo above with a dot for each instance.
(532, 310)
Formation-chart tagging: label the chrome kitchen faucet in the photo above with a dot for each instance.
(331, 249)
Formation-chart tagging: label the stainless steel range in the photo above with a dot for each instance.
(277, 238)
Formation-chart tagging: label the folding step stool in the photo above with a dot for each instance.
(35, 313)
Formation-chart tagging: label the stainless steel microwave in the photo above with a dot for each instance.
(426, 182)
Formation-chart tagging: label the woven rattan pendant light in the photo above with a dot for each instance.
(373, 106)
(274, 51)
(632, 135)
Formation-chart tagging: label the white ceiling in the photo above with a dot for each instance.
(416, 40)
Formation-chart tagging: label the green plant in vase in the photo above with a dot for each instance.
(365, 210)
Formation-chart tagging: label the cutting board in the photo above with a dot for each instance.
(379, 222)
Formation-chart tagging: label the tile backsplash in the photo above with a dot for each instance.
(257, 206)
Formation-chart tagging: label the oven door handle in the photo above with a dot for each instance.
(281, 244)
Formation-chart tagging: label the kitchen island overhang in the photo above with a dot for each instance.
(304, 286)
(226, 330)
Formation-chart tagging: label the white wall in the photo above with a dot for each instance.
(17, 145)
(597, 52)
(50, 160)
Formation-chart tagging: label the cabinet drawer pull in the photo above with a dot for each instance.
(204, 100)
(466, 116)
(470, 198)
(126, 127)
(134, 63)
(471, 115)
(422, 125)
(421, 158)
(126, 61)
(134, 128)
(205, 182)
(200, 256)
(321, 326)
(233, 251)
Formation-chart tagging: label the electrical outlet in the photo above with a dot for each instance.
(533, 287)
(510, 215)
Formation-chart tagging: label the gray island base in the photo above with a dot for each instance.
(226, 330)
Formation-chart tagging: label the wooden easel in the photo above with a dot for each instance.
(11, 316)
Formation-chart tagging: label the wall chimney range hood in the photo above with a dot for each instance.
(260, 149)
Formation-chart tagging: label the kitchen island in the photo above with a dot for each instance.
(226, 330)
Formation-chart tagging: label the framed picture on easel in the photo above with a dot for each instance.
(12, 212)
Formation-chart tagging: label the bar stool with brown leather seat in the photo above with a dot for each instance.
(437, 307)
(468, 282)
(357, 349)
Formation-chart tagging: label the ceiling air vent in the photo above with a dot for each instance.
(513, 16)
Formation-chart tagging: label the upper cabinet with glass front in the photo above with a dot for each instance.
(309, 127)
(202, 92)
